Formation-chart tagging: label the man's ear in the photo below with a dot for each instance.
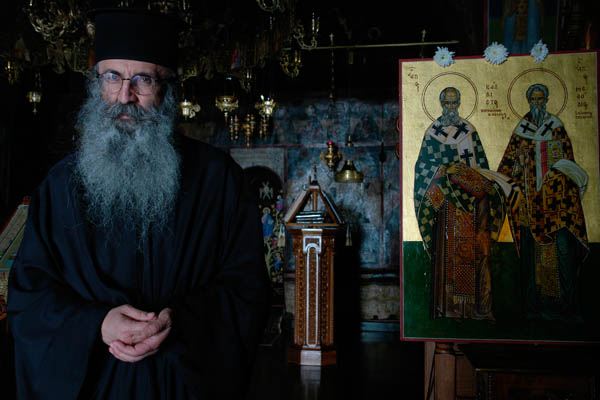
(164, 72)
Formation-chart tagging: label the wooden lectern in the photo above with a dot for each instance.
(313, 233)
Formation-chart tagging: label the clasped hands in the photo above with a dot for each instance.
(133, 334)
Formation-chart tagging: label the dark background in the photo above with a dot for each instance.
(30, 144)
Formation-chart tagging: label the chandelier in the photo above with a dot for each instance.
(58, 34)
(188, 109)
(64, 27)
(55, 19)
(208, 48)
(291, 62)
(12, 72)
(271, 6)
(227, 104)
(299, 34)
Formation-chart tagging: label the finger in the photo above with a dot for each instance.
(133, 331)
(151, 328)
(149, 345)
(153, 342)
(124, 357)
(165, 317)
(136, 314)
(165, 314)
(162, 322)
(127, 358)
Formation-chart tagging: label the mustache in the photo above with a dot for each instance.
(449, 117)
(537, 107)
(135, 112)
(447, 111)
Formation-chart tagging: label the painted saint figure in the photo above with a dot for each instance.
(548, 225)
(460, 209)
(267, 223)
(522, 22)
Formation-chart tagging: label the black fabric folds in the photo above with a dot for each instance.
(207, 265)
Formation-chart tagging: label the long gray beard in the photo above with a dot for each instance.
(449, 117)
(129, 170)
(538, 113)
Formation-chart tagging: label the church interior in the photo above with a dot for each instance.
(305, 95)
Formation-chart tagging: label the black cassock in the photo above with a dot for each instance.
(207, 265)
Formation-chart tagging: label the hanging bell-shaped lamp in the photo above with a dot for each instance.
(349, 173)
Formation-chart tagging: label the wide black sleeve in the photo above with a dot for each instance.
(54, 326)
(216, 329)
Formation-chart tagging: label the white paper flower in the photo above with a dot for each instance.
(495, 53)
(539, 51)
(443, 57)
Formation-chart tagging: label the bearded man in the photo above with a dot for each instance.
(548, 225)
(141, 273)
(459, 205)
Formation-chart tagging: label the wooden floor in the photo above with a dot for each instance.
(367, 368)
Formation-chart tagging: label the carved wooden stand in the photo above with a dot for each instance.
(313, 316)
(314, 245)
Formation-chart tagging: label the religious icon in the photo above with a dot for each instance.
(522, 23)
(534, 279)
(548, 225)
(459, 205)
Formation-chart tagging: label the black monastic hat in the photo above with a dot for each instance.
(136, 34)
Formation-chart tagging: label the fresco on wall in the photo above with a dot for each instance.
(368, 206)
(269, 189)
(301, 132)
(500, 205)
(298, 136)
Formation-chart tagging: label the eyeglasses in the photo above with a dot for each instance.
(141, 84)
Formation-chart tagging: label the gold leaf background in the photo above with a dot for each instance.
(493, 100)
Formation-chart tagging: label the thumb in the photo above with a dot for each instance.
(165, 316)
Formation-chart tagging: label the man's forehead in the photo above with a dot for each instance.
(537, 93)
(129, 66)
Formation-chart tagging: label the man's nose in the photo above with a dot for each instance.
(126, 93)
